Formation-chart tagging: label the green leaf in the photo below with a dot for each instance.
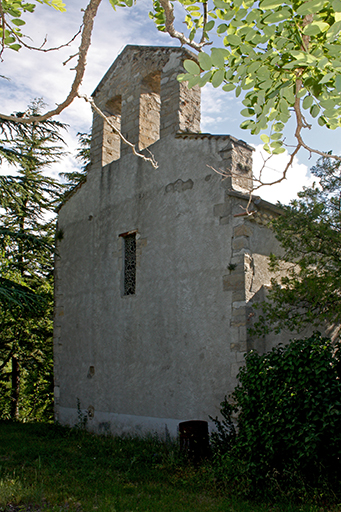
(18, 22)
(15, 47)
(321, 121)
(338, 83)
(307, 102)
(314, 110)
(205, 78)
(194, 80)
(232, 40)
(222, 28)
(278, 127)
(336, 4)
(270, 4)
(323, 62)
(247, 112)
(334, 31)
(209, 26)
(220, 4)
(276, 144)
(265, 138)
(192, 67)
(217, 57)
(327, 77)
(302, 92)
(205, 61)
(278, 150)
(315, 28)
(310, 7)
(275, 136)
(278, 16)
(246, 125)
(218, 77)
(228, 87)
(283, 106)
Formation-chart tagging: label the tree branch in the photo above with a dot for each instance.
(3, 23)
(88, 23)
(202, 40)
(169, 25)
(45, 50)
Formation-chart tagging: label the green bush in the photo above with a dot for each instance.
(288, 405)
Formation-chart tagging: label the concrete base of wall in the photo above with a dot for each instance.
(123, 424)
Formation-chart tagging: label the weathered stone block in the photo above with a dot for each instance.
(238, 295)
(240, 243)
(242, 230)
(233, 282)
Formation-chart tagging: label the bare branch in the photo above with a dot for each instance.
(169, 15)
(88, 23)
(70, 58)
(41, 49)
(150, 159)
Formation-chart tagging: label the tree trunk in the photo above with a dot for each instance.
(15, 389)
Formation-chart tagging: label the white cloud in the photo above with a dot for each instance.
(298, 176)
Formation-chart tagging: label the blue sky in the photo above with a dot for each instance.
(35, 74)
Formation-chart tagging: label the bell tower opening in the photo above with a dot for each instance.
(111, 141)
(150, 108)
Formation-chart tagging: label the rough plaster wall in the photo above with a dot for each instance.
(166, 351)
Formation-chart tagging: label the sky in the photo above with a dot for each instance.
(33, 74)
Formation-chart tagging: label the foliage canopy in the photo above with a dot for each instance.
(26, 267)
(289, 418)
(310, 233)
(285, 57)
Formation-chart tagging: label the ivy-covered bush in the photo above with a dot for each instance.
(288, 405)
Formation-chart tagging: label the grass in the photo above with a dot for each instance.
(45, 467)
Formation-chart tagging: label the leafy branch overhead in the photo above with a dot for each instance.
(281, 58)
(285, 58)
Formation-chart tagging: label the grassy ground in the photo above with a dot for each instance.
(45, 467)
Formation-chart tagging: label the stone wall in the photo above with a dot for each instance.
(170, 350)
(140, 92)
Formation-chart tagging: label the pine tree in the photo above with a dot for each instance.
(75, 178)
(28, 200)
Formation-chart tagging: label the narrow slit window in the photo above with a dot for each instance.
(129, 284)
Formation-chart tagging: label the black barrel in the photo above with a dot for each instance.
(194, 439)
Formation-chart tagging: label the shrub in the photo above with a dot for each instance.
(289, 415)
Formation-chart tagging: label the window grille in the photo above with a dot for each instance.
(129, 284)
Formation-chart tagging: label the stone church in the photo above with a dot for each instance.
(156, 269)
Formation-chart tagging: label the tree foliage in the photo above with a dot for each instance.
(289, 418)
(310, 232)
(285, 57)
(28, 199)
(75, 178)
